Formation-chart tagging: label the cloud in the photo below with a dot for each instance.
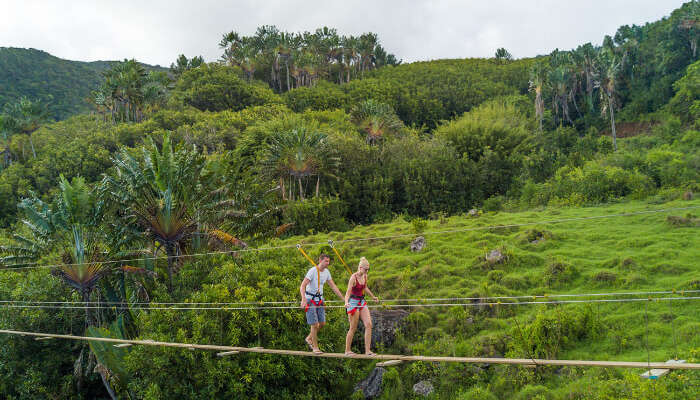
(156, 32)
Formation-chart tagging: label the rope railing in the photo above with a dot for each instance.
(525, 296)
(478, 360)
(380, 306)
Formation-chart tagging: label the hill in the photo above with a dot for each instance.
(36, 74)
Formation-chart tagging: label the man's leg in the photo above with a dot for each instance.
(314, 336)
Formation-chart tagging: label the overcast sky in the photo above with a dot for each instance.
(156, 32)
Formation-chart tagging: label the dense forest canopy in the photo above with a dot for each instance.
(321, 134)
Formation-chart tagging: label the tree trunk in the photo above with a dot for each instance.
(284, 196)
(31, 143)
(301, 189)
(105, 382)
(286, 66)
(612, 122)
(86, 299)
(318, 183)
(170, 252)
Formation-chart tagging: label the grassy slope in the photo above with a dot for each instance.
(609, 255)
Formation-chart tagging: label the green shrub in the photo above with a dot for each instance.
(213, 87)
(494, 203)
(319, 214)
(477, 393)
(534, 392)
(558, 273)
(322, 96)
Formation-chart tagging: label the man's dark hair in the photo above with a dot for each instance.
(323, 256)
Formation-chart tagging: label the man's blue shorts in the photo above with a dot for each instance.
(315, 314)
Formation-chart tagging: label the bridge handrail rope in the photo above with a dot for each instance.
(23, 266)
(414, 305)
(260, 350)
(526, 296)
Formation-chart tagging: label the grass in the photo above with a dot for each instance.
(627, 253)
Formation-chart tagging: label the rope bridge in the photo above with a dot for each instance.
(386, 357)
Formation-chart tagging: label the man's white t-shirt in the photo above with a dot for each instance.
(313, 286)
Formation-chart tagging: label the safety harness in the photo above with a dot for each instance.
(316, 298)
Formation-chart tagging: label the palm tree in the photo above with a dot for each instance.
(377, 120)
(607, 74)
(538, 76)
(585, 56)
(295, 155)
(168, 195)
(72, 229)
(25, 117)
(559, 81)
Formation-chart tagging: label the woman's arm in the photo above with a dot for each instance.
(370, 293)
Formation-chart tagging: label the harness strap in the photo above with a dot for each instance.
(318, 273)
(330, 242)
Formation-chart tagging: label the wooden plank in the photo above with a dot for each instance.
(388, 363)
(227, 353)
(657, 373)
(382, 357)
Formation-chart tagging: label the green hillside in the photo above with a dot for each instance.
(63, 84)
(114, 222)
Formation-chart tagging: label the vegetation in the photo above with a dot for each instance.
(63, 85)
(304, 137)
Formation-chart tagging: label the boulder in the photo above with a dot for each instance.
(386, 323)
(423, 388)
(688, 195)
(417, 244)
(473, 212)
(371, 387)
(494, 257)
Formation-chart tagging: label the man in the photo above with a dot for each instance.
(311, 290)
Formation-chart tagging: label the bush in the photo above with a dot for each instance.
(319, 214)
(494, 203)
(477, 393)
(213, 87)
(559, 272)
(323, 96)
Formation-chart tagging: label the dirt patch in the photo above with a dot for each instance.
(630, 129)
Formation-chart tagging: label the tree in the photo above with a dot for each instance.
(168, 195)
(295, 155)
(23, 117)
(538, 76)
(585, 56)
(183, 64)
(377, 120)
(607, 74)
(503, 55)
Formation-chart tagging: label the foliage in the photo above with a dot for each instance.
(213, 87)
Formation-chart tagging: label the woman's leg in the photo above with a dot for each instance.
(367, 321)
(353, 319)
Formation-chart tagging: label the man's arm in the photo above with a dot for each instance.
(335, 289)
(302, 291)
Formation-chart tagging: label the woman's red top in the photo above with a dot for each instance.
(357, 289)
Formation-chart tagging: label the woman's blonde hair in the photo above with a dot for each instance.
(363, 263)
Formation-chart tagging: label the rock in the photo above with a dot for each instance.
(385, 324)
(371, 387)
(423, 388)
(418, 243)
(473, 212)
(494, 257)
(688, 195)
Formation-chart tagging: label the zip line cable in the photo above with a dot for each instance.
(23, 266)
(248, 308)
(540, 296)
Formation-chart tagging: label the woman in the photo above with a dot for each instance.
(356, 306)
